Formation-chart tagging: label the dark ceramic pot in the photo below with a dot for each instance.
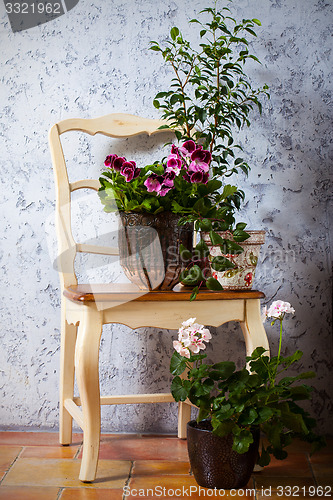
(214, 463)
(149, 248)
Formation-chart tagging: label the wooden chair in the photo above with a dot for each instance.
(86, 308)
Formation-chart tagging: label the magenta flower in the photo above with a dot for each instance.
(115, 162)
(201, 157)
(109, 160)
(168, 179)
(188, 147)
(164, 191)
(174, 164)
(175, 151)
(129, 170)
(154, 183)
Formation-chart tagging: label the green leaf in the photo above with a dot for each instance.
(225, 368)
(174, 32)
(194, 293)
(222, 428)
(265, 414)
(215, 238)
(264, 458)
(180, 389)
(220, 264)
(205, 225)
(213, 284)
(257, 22)
(248, 417)
(202, 249)
(156, 103)
(177, 364)
(240, 235)
(242, 441)
(184, 252)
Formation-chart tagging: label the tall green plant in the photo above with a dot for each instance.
(210, 94)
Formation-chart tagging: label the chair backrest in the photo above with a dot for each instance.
(118, 125)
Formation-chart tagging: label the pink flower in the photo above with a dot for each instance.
(183, 351)
(174, 164)
(201, 157)
(115, 162)
(278, 309)
(187, 148)
(191, 338)
(129, 170)
(154, 183)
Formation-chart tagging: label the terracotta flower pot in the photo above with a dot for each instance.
(149, 248)
(241, 277)
(214, 463)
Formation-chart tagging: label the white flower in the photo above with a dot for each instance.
(183, 351)
(189, 322)
(278, 309)
(191, 337)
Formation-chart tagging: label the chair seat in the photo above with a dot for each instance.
(114, 292)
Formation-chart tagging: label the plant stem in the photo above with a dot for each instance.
(279, 352)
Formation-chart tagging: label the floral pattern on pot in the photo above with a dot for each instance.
(242, 275)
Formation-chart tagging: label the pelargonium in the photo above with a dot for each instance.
(126, 168)
(190, 160)
(278, 309)
(191, 338)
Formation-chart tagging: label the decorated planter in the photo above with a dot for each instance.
(149, 248)
(213, 461)
(242, 275)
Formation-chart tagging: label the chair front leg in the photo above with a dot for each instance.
(87, 374)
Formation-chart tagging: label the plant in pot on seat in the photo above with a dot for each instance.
(209, 98)
(235, 405)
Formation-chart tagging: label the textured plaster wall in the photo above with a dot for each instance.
(93, 61)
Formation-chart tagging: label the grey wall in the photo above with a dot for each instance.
(93, 61)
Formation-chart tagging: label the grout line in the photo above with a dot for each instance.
(309, 463)
(61, 489)
(128, 480)
(78, 451)
(12, 463)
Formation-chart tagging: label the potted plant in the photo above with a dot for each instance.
(236, 405)
(166, 198)
(210, 97)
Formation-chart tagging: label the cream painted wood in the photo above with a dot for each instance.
(74, 411)
(253, 328)
(87, 374)
(81, 324)
(67, 349)
(132, 399)
(85, 248)
(140, 314)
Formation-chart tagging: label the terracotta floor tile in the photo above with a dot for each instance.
(7, 456)
(24, 493)
(159, 467)
(34, 438)
(181, 486)
(91, 494)
(274, 495)
(325, 480)
(265, 481)
(144, 448)
(55, 472)
(296, 464)
(49, 451)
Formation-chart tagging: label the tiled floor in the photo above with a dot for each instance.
(34, 467)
